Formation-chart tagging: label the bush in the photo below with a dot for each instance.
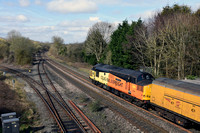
(95, 106)
(2, 77)
(91, 59)
(22, 48)
(192, 77)
(84, 99)
(26, 120)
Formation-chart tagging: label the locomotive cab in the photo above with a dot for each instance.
(92, 73)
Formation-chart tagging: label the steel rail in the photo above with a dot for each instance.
(63, 102)
(85, 118)
(62, 69)
(60, 122)
(29, 81)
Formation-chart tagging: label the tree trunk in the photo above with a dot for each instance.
(179, 66)
(166, 68)
(155, 64)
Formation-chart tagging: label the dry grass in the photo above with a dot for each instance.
(81, 66)
(85, 70)
(13, 99)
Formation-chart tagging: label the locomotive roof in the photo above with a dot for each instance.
(126, 74)
(130, 72)
(114, 69)
(106, 68)
(179, 85)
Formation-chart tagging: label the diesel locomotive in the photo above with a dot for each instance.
(175, 100)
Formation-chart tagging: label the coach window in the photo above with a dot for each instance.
(97, 74)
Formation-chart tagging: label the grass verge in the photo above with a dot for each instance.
(14, 99)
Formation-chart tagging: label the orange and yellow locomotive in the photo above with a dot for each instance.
(134, 86)
(175, 100)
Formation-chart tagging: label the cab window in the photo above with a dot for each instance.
(132, 80)
(97, 73)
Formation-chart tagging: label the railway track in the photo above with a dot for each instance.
(82, 119)
(141, 123)
(35, 85)
(57, 107)
(63, 70)
(63, 113)
(136, 120)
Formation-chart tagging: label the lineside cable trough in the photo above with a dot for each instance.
(10, 124)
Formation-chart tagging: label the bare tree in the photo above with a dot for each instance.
(4, 48)
(21, 48)
(98, 38)
(149, 49)
(180, 37)
(57, 46)
(13, 37)
(13, 34)
(169, 43)
(57, 41)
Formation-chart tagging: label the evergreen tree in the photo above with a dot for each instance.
(121, 45)
(119, 55)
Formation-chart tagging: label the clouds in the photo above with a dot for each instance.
(22, 18)
(94, 19)
(14, 19)
(144, 15)
(74, 31)
(38, 2)
(72, 6)
(71, 19)
(70, 31)
(24, 3)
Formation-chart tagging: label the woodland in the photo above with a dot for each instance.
(165, 45)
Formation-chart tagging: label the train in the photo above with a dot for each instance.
(175, 100)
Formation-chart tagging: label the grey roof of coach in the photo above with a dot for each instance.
(190, 88)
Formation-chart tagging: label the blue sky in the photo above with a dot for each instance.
(70, 19)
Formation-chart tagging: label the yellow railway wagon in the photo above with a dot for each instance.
(176, 99)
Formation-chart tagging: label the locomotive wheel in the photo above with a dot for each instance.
(93, 81)
(181, 121)
(160, 112)
(117, 92)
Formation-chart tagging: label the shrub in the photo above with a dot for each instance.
(2, 77)
(192, 77)
(95, 106)
(84, 99)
